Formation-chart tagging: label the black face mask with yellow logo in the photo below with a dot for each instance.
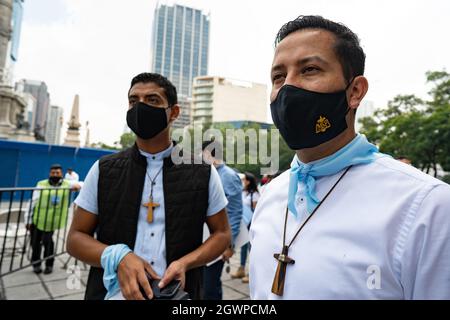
(306, 118)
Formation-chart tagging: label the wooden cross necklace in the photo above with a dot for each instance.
(151, 205)
(283, 258)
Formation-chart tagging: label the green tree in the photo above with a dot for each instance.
(417, 129)
(127, 140)
(244, 162)
(102, 145)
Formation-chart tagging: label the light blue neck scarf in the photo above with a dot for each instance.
(358, 151)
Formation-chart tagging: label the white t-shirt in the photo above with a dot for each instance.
(72, 177)
(247, 198)
(383, 233)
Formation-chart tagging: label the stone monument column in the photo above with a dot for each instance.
(73, 132)
(12, 106)
(12, 115)
(5, 34)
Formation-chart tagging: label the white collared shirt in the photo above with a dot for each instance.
(383, 233)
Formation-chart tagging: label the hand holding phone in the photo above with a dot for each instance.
(166, 292)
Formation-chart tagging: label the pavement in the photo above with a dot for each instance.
(68, 282)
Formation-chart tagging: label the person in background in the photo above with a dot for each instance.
(233, 191)
(265, 181)
(49, 209)
(250, 197)
(71, 175)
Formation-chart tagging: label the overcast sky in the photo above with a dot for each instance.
(94, 47)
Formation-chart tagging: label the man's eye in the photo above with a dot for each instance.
(310, 69)
(277, 78)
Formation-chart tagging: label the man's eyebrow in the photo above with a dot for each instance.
(311, 59)
(277, 67)
(302, 61)
(151, 95)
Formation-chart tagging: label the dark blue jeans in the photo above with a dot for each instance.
(212, 282)
(244, 252)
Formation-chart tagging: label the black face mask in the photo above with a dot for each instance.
(54, 181)
(146, 121)
(306, 118)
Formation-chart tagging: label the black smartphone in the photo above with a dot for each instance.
(167, 292)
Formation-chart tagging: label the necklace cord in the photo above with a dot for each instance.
(152, 181)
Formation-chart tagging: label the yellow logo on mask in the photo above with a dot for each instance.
(322, 125)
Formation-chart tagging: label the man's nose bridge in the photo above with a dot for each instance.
(291, 79)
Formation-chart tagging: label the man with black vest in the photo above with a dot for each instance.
(148, 212)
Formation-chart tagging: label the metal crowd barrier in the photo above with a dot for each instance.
(17, 227)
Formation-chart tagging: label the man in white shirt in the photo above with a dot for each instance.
(147, 212)
(71, 175)
(345, 222)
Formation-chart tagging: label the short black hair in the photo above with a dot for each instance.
(55, 166)
(163, 82)
(347, 47)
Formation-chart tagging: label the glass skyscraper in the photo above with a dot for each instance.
(180, 45)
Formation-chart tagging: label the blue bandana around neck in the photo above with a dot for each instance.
(358, 151)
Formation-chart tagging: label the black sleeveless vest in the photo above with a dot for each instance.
(120, 186)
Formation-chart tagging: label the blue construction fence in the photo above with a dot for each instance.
(23, 164)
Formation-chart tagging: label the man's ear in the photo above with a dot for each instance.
(358, 90)
(174, 113)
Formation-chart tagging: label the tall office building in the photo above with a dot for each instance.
(180, 45)
(54, 125)
(218, 99)
(38, 89)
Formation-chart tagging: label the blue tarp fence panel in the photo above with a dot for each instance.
(23, 164)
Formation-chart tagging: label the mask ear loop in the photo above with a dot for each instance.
(346, 88)
(349, 84)
(173, 105)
